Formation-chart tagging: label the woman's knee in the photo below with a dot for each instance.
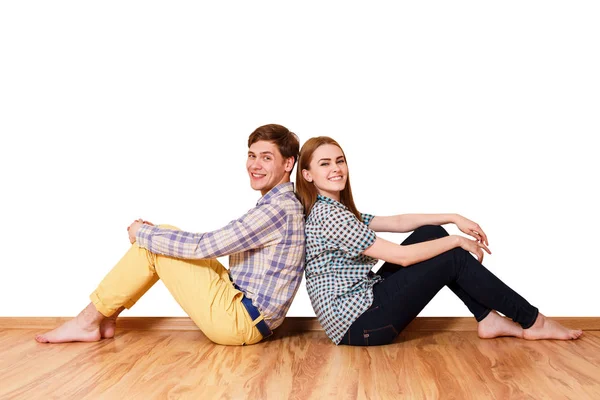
(432, 231)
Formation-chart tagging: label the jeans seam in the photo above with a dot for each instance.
(367, 332)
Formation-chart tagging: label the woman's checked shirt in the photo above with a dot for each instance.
(338, 278)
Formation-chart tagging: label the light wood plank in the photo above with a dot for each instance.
(298, 365)
(291, 324)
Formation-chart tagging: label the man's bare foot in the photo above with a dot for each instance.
(107, 328)
(495, 325)
(85, 327)
(545, 328)
(71, 331)
(109, 324)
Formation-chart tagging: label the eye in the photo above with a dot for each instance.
(342, 161)
(251, 156)
(267, 158)
(324, 164)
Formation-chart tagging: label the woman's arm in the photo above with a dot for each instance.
(414, 253)
(410, 222)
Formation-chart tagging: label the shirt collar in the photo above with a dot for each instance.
(329, 200)
(276, 191)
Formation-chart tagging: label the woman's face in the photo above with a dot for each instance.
(328, 171)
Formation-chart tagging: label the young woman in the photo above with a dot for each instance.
(358, 307)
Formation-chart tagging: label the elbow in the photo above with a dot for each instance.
(402, 261)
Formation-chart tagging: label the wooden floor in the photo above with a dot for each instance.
(184, 364)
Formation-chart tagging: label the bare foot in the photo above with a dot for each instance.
(74, 330)
(545, 328)
(109, 324)
(85, 327)
(495, 325)
(107, 327)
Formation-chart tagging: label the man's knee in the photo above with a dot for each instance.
(169, 227)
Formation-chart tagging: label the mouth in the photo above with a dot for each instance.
(336, 178)
(257, 176)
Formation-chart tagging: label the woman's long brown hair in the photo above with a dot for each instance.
(306, 191)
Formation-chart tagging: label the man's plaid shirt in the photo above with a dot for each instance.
(265, 248)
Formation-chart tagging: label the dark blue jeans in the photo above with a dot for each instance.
(405, 291)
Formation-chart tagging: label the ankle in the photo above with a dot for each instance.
(90, 317)
(539, 322)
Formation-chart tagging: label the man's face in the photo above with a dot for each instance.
(266, 166)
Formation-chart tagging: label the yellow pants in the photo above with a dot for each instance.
(201, 287)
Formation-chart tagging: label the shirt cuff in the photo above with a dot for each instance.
(368, 242)
(143, 237)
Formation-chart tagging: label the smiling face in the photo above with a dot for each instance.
(266, 166)
(328, 171)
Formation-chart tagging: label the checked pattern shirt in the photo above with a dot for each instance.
(265, 248)
(338, 278)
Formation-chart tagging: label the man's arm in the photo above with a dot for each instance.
(257, 228)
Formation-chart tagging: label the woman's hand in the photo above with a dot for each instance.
(472, 229)
(134, 227)
(474, 247)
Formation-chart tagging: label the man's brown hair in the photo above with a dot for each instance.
(285, 140)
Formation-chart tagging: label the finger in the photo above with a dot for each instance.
(484, 237)
(480, 256)
(483, 246)
(475, 234)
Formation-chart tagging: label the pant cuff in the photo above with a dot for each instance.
(103, 308)
(535, 315)
(482, 316)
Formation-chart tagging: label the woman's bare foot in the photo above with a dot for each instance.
(495, 325)
(545, 328)
(85, 327)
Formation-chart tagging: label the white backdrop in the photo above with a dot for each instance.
(117, 110)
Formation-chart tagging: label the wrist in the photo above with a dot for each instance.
(457, 240)
(454, 218)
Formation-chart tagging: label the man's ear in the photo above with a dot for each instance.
(307, 176)
(289, 164)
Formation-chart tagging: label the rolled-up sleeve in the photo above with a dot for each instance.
(344, 231)
(259, 227)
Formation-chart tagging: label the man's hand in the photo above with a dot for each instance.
(134, 227)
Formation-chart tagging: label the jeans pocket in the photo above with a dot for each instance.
(380, 336)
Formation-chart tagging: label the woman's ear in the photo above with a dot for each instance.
(307, 176)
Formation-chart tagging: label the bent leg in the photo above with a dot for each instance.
(400, 297)
(124, 284)
(424, 234)
(205, 292)
(201, 287)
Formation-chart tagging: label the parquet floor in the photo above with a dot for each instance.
(184, 364)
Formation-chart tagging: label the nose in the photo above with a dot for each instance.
(255, 164)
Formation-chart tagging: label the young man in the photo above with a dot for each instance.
(235, 307)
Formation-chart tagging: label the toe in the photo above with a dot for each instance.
(41, 339)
